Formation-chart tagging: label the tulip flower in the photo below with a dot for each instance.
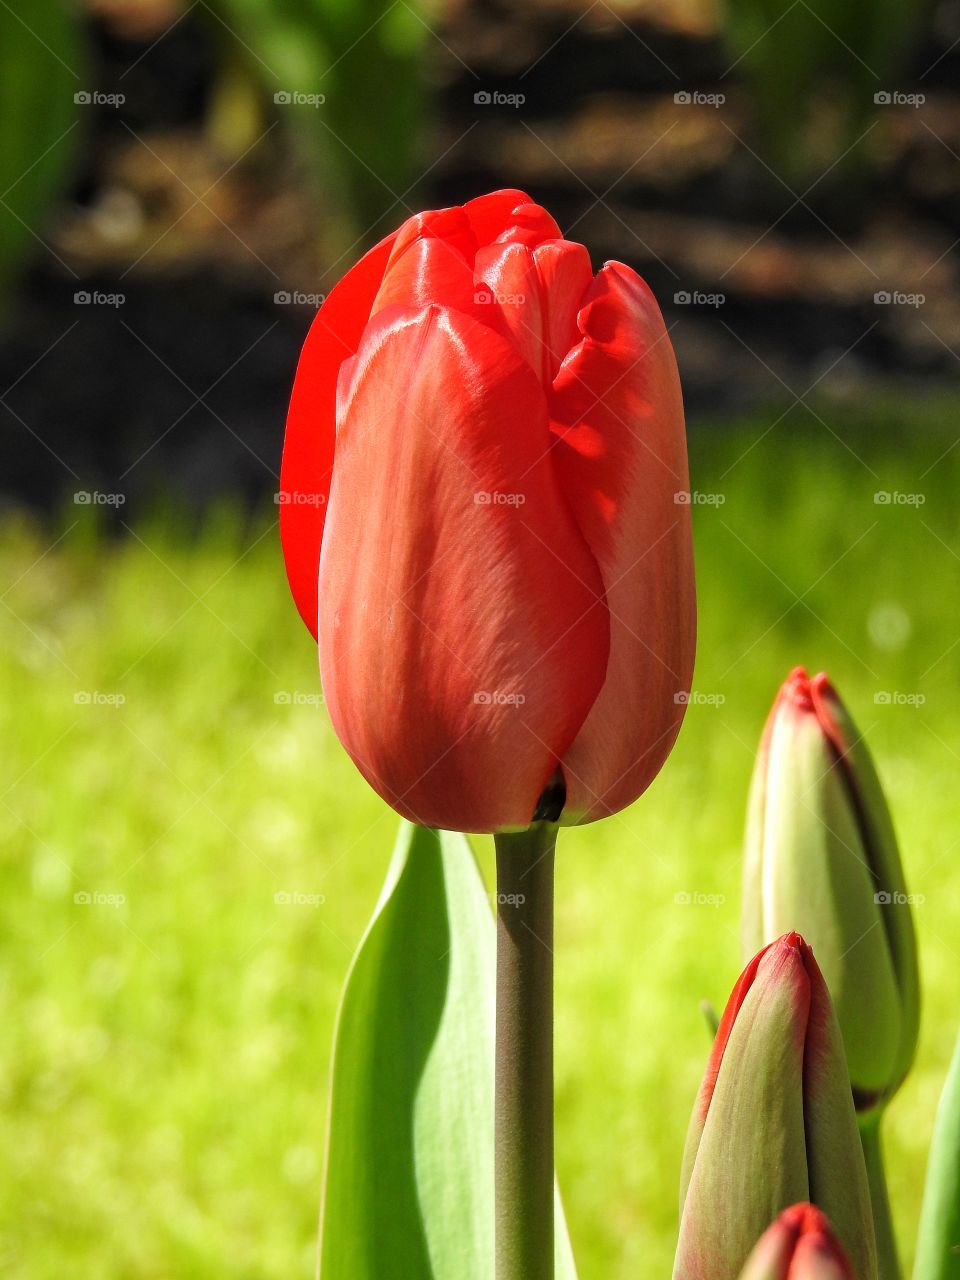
(821, 857)
(486, 524)
(800, 1245)
(774, 1122)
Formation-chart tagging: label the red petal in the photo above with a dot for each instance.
(431, 262)
(310, 434)
(536, 294)
(622, 461)
(442, 611)
(509, 215)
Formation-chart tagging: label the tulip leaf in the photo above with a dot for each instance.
(409, 1175)
(938, 1245)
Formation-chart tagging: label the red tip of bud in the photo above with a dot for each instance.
(796, 689)
(825, 701)
(789, 942)
(807, 1236)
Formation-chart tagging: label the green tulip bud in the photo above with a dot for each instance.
(821, 858)
(773, 1124)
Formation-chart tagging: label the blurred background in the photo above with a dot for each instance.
(180, 184)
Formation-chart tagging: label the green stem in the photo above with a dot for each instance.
(524, 1058)
(888, 1265)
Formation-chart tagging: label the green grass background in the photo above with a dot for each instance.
(163, 1063)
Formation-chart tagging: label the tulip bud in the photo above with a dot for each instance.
(821, 857)
(774, 1122)
(800, 1245)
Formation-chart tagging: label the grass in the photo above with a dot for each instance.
(163, 1065)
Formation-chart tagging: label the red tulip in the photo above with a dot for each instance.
(482, 522)
(800, 1245)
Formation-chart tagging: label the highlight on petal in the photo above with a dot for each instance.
(463, 638)
(621, 457)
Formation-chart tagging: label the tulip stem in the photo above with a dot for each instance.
(888, 1264)
(524, 1168)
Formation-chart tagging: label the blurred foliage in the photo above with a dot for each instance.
(364, 58)
(42, 60)
(813, 68)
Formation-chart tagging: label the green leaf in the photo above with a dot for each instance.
(42, 67)
(409, 1175)
(938, 1246)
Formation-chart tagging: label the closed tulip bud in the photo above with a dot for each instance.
(800, 1245)
(821, 858)
(485, 519)
(773, 1123)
